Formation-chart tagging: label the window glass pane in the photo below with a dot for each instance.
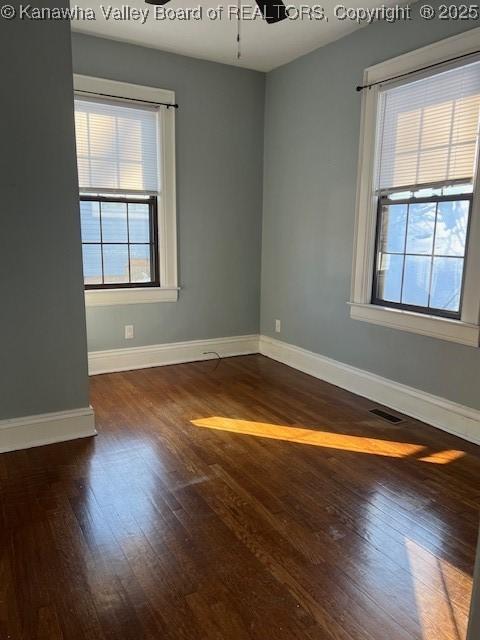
(400, 195)
(90, 221)
(139, 223)
(428, 192)
(446, 283)
(394, 220)
(416, 280)
(92, 263)
(451, 231)
(421, 224)
(140, 263)
(115, 263)
(458, 189)
(114, 222)
(390, 277)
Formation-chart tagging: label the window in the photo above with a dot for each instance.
(417, 262)
(420, 251)
(119, 242)
(126, 170)
(425, 165)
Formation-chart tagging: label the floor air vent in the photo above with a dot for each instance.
(387, 416)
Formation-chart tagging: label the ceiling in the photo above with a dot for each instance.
(263, 46)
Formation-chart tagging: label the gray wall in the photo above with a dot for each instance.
(312, 122)
(42, 319)
(219, 195)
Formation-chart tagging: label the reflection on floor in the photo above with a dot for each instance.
(244, 501)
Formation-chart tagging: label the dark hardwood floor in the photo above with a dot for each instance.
(239, 501)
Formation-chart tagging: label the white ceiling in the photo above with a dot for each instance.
(263, 46)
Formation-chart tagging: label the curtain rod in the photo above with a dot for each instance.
(169, 105)
(409, 73)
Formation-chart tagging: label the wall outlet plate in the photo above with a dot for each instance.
(278, 326)
(129, 331)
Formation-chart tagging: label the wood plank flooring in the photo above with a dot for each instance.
(238, 501)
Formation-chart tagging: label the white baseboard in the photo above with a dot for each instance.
(157, 355)
(46, 428)
(439, 412)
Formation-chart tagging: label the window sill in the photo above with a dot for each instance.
(441, 328)
(105, 297)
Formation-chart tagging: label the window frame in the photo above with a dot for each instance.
(166, 289)
(427, 310)
(152, 203)
(466, 329)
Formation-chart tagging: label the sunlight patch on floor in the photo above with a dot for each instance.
(443, 457)
(436, 611)
(327, 439)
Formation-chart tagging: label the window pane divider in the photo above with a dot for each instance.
(431, 260)
(128, 248)
(407, 220)
(101, 240)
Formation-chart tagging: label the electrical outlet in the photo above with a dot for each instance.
(278, 326)
(128, 331)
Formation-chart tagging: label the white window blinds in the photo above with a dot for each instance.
(116, 146)
(428, 130)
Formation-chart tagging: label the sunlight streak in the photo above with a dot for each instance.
(443, 457)
(312, 437)
(329, 440)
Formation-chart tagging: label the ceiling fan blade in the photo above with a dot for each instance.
(272, 10)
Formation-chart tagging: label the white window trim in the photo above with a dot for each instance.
(167, 216)
(466, 330)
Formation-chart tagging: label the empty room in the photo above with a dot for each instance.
(240, 320)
